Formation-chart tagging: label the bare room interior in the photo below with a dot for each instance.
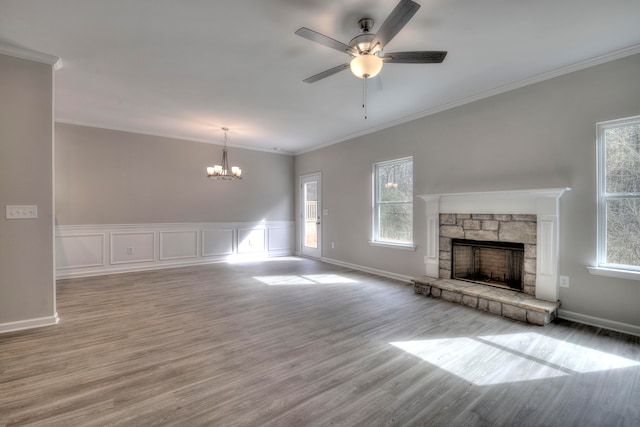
(361, 212)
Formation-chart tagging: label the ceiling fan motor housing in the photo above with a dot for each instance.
(362, 42)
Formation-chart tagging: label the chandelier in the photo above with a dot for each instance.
(223, 171)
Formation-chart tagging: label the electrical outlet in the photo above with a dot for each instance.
(21, 212)
(333, 245)
(564, 281)
(129, 251)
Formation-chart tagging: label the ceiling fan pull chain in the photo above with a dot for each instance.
(364, 97)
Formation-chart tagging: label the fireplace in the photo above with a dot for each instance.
(525, 216)
(498, 264)
(495, 249)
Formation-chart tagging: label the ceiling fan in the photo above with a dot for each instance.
(366, 49)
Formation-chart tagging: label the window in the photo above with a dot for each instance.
(619, 194)
(393, 202)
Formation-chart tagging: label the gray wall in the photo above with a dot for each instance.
(539, 136)
(27, 286)
(111, 177)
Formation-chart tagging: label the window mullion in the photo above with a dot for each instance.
(621, 195)
(395, 202)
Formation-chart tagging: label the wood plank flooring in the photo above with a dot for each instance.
(296, 342)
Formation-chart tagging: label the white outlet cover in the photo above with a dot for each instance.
(21, 212)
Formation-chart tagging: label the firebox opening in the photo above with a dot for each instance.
(493, 263)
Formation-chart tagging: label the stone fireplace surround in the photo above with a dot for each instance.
(532, 214)
(542, 204)
(512, 228)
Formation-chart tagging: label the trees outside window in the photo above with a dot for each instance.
(619, 194)
(393, 202)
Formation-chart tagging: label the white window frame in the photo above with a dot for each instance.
(375, 241)
(603, 268)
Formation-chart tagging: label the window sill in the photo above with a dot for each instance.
(614, 272)
(393, 245)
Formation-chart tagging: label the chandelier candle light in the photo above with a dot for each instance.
(222, 171)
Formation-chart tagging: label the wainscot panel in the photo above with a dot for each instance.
(132, 247)
(218, 242)
(251, 240)
(85, 250)
(178, 244)
(280, 239)
(82, 251)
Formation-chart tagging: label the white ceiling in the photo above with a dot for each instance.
(187, 68)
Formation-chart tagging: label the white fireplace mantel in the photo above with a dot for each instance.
(544, 203)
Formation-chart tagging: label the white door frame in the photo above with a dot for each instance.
(306, 250)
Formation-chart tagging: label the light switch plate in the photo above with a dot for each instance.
(21, 212)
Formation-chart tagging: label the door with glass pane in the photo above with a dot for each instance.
(310, 216)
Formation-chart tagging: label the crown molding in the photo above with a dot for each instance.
(31, 55)
(608, 57)
(164, 135)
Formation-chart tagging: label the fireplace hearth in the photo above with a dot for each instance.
(499, 264)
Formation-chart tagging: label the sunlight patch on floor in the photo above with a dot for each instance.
(261, 257)
(306, 279)
(509, 358)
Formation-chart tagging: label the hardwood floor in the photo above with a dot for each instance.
(295, 342)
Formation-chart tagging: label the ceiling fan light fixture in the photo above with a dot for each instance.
(366, 66)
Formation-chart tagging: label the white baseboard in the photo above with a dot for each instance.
(29, 323)
(375, 271)
(599, 322)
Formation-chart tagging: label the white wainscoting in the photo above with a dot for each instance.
(94, 250)
(251, 240)
(130, 247)
(218, 242)
(178, 244)
(279, 238)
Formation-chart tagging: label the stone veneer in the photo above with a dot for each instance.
(492, 228)
(503, 302)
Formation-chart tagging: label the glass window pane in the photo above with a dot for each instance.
(311, 191)
(396, 223)
(623, 232)
(395, 182)
(622, 159)
(311, 234)
(311, 215)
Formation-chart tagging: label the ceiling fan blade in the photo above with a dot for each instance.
(326, 73)
(433, 57)
(398, 18)
(314, 36)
